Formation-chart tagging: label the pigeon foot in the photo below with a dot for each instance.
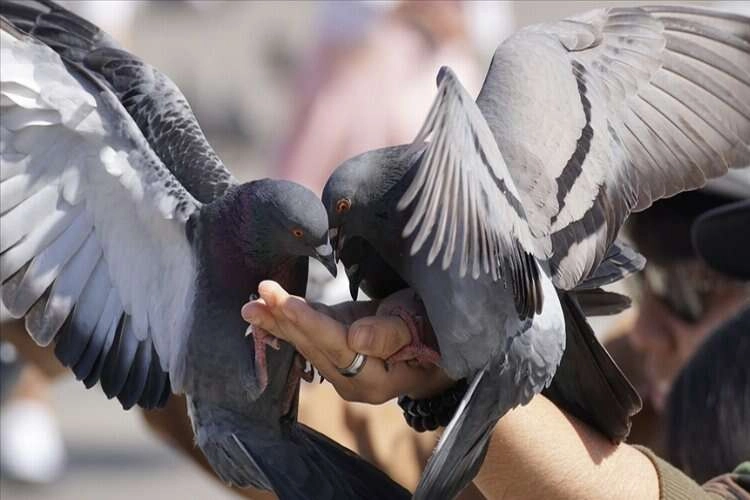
(261, 340)
(421, 334)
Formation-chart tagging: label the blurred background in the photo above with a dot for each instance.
(282, 89)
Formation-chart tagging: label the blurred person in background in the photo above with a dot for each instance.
(708, 408)
(680, 300)
(371, 79)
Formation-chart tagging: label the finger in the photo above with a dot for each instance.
(322, 341)
(257, 314)
(272, 293)
(305, 327)
(380, 336)
(256, 306)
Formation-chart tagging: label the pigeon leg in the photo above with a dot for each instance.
(261, 340)
(421, 334)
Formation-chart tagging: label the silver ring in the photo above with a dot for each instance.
(355, 366)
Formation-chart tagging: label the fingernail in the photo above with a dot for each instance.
(246, 312)
(363, 338)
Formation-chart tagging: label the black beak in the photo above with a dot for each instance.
(355, 279)
(324, 254)
(335, 234)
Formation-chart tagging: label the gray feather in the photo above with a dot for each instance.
(73, 340)
(668, 89)
(247, 452)
(598, 302)
(120, 358)
(620, 261)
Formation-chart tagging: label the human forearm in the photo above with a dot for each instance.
(537, 451)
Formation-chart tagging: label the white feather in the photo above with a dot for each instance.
(93, 299)
(31, 212)
(65, 292)
(46, 267)
(37, 240)
(110, 194)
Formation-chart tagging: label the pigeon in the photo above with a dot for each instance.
(128, 245)
(505, 209)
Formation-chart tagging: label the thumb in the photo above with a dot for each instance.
(379, 336)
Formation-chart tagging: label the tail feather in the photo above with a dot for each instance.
(463, 445)
(588, 384)
(293, 461)
(598, 302)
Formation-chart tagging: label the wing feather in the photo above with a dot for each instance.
(73, 340)
(668, 92)
(464, 199)
(94, 251)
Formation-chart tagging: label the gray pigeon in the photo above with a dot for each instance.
(127, 243)
(513, 207)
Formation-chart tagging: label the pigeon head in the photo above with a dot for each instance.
(357, 190)
(274, 220)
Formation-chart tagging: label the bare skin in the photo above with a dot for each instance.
(323, 341)
(582, 464)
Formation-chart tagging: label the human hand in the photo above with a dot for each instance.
(320, 335)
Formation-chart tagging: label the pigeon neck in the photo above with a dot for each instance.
(233, 254)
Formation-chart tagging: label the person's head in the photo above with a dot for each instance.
(708, 409)
(682, 299)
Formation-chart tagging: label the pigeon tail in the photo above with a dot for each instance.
(599, 302)
(463, 445)
(588, 384)
(620, 261)
(290, 459)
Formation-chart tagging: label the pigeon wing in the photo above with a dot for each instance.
(601, 114)
(465, 202)
(94, 246)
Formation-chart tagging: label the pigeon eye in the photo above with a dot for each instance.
(298, 233)
(343, 205)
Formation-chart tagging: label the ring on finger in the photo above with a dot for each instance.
(356, 366)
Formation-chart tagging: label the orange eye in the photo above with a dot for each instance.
(298, 233)
(343, 205)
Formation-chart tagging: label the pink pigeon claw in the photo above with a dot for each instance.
(420, 333)
(261, 340)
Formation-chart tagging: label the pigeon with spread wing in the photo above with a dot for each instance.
(128, 245)
(509, 214)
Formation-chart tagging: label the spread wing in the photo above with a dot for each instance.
(465, 201)
(94, 249)
(602, 114)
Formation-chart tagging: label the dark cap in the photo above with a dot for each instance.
(721, 237)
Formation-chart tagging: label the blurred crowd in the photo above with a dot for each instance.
(337, 79)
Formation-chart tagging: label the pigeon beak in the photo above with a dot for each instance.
(352, 272)
(324, 255)
(336, 235)
(333, 236)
